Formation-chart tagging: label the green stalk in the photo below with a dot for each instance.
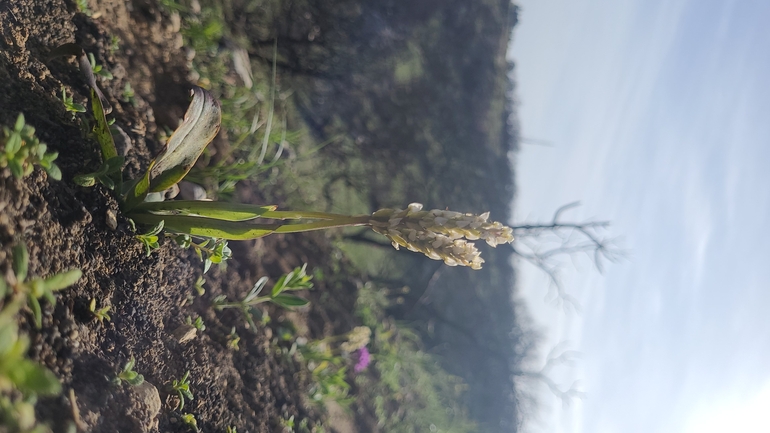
(242, 230)
(242, 305)
(296, 215)
(318, 225)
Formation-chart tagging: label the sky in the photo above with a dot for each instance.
(656, 115)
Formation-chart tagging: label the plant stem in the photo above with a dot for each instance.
(242, 305)
(295, 215)
(341, 221)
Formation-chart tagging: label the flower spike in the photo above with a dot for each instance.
(440, 234)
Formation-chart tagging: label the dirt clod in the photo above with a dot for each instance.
(146, 397)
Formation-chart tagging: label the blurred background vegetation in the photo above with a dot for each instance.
(350, 106)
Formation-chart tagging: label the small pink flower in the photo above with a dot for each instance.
(363, 359)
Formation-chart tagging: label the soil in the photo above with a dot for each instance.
(66, 226)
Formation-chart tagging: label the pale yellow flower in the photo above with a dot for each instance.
(440, 234)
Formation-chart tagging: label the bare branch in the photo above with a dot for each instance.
(557, 357)
(560, 210)
(542, 244)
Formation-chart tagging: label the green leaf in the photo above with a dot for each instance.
(48, 295)
(36, 287)
(156, 231)
(135, 379)
(86, 180)
(20, 261)
(37, 312)
(113, 164)
(200, 125)
(8, 313)
(13, 144)
(32, 378)
(106, 181)
(185, 241)
(54, 171)
(104, 73)
(28, 131)
(289, 301)
(254, 292)
(212, 209)
(101, 129)
(9, 333)
(63, 280)
(280, 285)
(16, 168)
(208, 227)
(19, 125)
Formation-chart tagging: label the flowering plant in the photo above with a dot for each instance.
(439, 234)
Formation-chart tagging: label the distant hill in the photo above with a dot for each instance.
(418, 96)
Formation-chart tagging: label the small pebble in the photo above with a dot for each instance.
(185, 333)
(122, 141)
(112, 219)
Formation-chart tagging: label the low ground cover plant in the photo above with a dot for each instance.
(69, 104)
(182, 389)
(21, 151)
(128, 374)
(293, 281)
(100, 314)
(21, 380)
(35, 288)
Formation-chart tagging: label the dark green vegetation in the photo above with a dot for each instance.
(344, 107)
